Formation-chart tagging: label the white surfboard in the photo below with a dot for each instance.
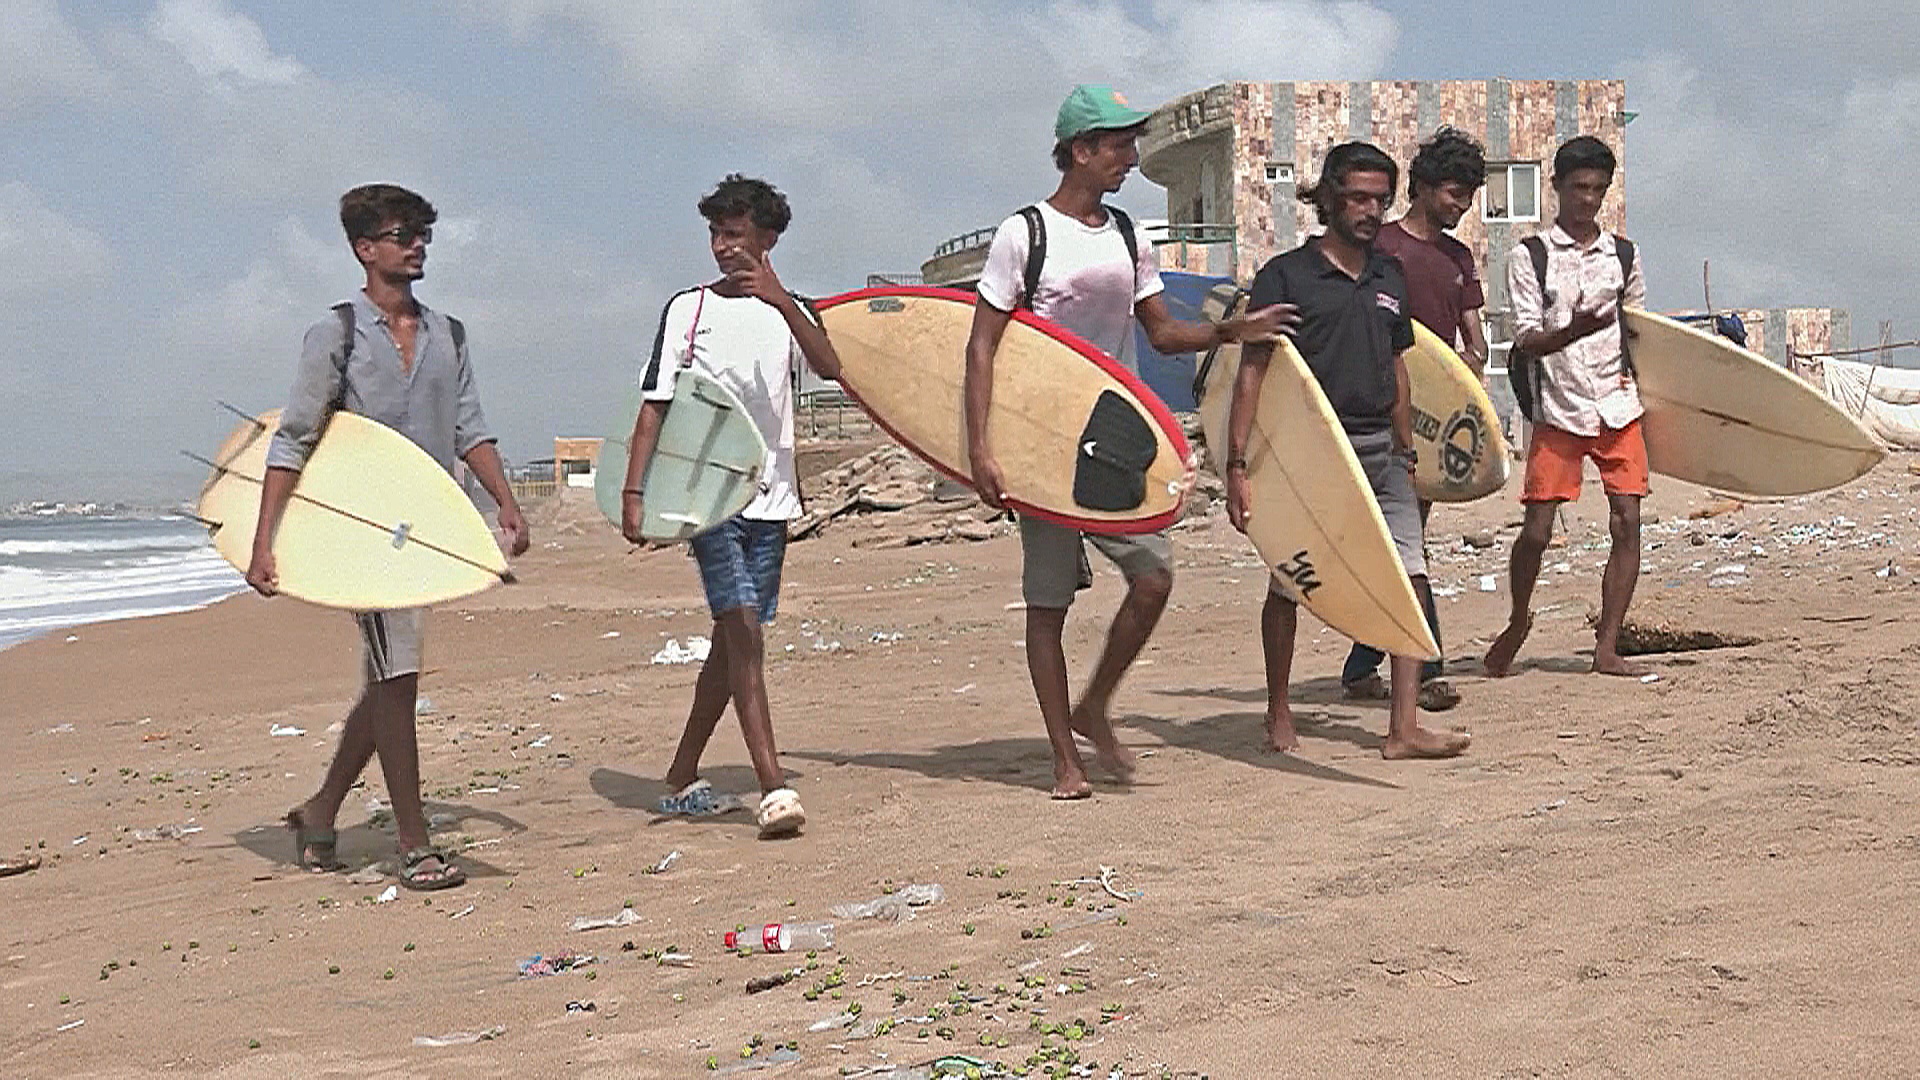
(375, 523)
(1728, 419)
(1462, 454)
(706, 467)
(1314, 519)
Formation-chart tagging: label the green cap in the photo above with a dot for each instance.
(1095, 108)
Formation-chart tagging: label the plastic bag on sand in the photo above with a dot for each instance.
(459, 1038)
(627, 917)
(894, 906)
(693, 652)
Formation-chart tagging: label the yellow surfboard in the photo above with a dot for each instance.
(1463, 455)
(1314, 519)
(375, 523)
(1726, 418)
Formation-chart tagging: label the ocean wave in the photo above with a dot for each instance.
(91, 545)
(14, 631)
(22, 588)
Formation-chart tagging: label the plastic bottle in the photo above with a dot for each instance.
(785, 937)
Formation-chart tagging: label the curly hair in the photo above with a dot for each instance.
(1350, 157)
(1450, 156)
(365, 209)
(759, 200)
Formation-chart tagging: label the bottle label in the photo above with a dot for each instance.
(770, 936)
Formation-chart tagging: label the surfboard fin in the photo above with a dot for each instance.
(1116, 447)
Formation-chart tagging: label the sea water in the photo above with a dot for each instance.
(60, 567)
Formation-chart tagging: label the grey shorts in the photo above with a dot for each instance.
(1393, 490)
(390, 642)
(1054, 560)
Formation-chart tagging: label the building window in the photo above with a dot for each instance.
(1279, 172)
(1512, 192)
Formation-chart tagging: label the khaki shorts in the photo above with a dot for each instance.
(390, 642)
(1054, 560)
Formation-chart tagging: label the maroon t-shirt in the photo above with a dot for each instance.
(1442, 283)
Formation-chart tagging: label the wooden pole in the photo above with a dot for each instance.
(1706, 282)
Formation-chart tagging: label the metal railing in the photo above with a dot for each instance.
(830, 414)
(978, 238)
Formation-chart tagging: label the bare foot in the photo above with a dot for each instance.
(1425, 743)
(1499, 661)
(1281, 737)
(1612, 664)
(1108, 755)
(1071, 785)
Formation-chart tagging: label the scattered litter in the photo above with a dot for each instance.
(1566, 734)
(537, 966)
(460, 1038)
(844, 1020)
(823, 645)
(462, 913)
(78, 840)
(1545, 808)
(1105, 881)
(609, 635)
(21, 864)
(1078, 950)
(627, 917)
(540, 742)
(674, 959)
(769, 982)
(286, 729)
(1017, 605)
(60, 729)
(580, 1007)
(71, 1024)
(423, 706)
(664, 864)
(71, 638)
(693, 652)
(1650, 677)
(1887, 571)
(882, 637)
(894, 906)
(367, 875)
(556, 697)
(765, 1061)
(1487, 583)
(965, 689)
(391, 894)
(1729, 569)
(166, 832)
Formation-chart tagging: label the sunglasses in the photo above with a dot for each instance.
(404, 235)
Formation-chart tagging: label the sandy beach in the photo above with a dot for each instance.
(1707, 874)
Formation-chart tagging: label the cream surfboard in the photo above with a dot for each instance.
(1314, 519)
(706, 467)
(1462, 454)
(374, 523)
(1081, 440)
(1723, 417)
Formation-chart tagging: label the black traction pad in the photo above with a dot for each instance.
(1116, 447)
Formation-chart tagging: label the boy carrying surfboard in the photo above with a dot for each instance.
(748, 332)
(390, 358)
(1443, 293)
(1574, 379)
(1354, 329)
(1079, 263)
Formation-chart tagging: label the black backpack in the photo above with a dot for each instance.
(1525, 370)
(1037, 246)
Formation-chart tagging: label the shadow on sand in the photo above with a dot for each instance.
(366, 843)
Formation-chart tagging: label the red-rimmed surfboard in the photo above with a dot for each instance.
(1081, 440)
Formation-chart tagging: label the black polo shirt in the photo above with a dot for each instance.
(1350, 330)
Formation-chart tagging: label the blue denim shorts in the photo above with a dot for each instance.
(740, 562)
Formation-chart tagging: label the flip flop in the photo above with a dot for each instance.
(698, 799)
(1438, 695)
(323, 843)
(411, 870)
(780, 813)
(1367, 688)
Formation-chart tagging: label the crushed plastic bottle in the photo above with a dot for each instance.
(785, 937)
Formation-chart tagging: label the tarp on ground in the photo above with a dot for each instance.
(1171, 377)
(1885, 399)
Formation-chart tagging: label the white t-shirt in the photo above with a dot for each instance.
(1085, 282)
(744, 344)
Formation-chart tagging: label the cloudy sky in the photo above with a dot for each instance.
(168, 168)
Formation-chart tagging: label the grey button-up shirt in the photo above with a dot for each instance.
(436, 404)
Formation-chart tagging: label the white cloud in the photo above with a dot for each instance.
(42, 249)
(44, 58)
(220, 43)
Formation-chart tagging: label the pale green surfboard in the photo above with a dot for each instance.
(706, 468)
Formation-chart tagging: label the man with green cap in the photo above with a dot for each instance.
(1082, 265)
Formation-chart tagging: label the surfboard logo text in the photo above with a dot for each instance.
(1300, 573)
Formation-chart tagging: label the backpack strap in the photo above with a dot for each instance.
(699, 305)
(344, 312)
(459, 333)
(1125, 225)
(1036, 253)
(1623, 247)
(1537, 251)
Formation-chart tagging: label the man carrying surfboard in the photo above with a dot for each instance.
(747, 331)
(388, 357)
(1080, 264)
(1568, 286)
(1443, 293)
(1354, 329)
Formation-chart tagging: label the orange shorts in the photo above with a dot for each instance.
(1554, 459)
